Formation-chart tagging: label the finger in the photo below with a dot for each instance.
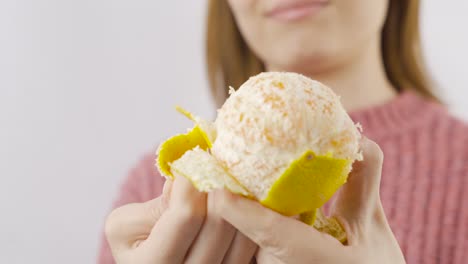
(172, 236)
(166, 193)
(241, 250)
(359, 198)
(216, 234)
(272, 231)
(263, 256)
(129, 223)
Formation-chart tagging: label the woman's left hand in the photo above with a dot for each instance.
(358, 207)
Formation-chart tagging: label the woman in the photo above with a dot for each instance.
(368, 52)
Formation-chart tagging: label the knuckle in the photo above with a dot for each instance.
(214, 213)
(268, 241)
(191, 214)
(265, 236)
(154, 208)
(218, 202)
(113, 224)
(216, 222)
(264, 239)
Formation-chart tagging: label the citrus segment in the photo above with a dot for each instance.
(308, 217)
(204, 171)
(330, 225)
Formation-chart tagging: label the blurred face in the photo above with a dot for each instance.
(316, 35)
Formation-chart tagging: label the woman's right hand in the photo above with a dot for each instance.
(177, 227)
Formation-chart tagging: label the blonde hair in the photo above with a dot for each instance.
(230, 62)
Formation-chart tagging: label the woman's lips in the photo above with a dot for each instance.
(289, 11)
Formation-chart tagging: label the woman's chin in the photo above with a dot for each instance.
(305, 64)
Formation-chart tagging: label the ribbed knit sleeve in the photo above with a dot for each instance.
(424, 188)
(459, 251)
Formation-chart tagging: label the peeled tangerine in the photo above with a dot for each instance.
(281, 138)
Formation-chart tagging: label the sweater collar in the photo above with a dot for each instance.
(406, 111)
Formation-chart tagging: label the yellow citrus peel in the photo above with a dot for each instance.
(305, 186)
(173, 148)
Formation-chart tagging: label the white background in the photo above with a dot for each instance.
(87, 87)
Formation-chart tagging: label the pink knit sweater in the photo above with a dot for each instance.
(424, 186)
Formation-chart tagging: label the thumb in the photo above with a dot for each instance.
(127, 223)
(359, 198)
(270, 230)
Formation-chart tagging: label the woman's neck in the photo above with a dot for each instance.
(361, 83)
